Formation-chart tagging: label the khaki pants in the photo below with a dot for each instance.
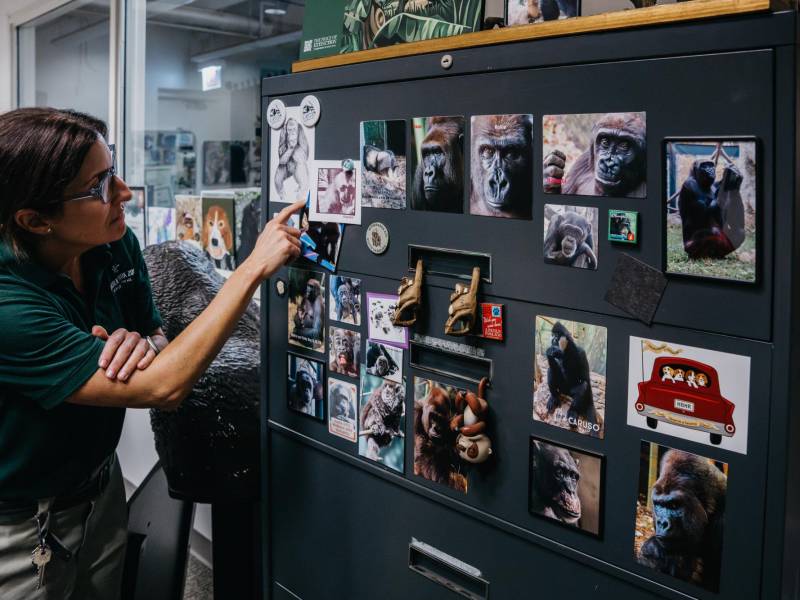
(95, 532)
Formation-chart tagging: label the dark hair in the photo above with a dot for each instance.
(41, 152)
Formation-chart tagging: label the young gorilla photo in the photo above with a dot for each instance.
(380, 362)
(614, 163)
(569, 376)
(688, 515)
(554, 484)
(344, 351)
(382, 418)
(346, 293)
(438, 180)
(341, 405)
(502, 166)
(568, 241)
(382, 162)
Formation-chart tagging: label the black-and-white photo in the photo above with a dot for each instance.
(291, 151)
(384, 361)
(305, 386)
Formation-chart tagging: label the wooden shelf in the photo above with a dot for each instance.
(639, 17)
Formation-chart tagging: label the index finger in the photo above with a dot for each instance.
(288, 211)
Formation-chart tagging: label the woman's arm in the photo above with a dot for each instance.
(173, 373)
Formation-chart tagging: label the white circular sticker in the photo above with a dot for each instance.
(309, 111)
(377, 238)
(276, 114)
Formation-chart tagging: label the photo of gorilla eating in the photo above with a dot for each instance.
(501, 158)
(680, 514)
(438, 164)
(595, 154)
(711, 208)
(305, 383)
(566, 485)
(569, 387)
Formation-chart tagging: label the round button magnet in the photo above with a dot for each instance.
(309, 111)
(280, 287)
(377, 238)
(276, 114)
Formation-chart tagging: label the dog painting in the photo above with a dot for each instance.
(217, 232)
(189, 218)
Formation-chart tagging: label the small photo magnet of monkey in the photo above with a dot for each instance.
(380, 312)
(383, 164)
(435, 451)
(501, 159)
(335, 192)
(680, 515)
(438, 164)
(345, 299)
(189, 219)
(344, 355)
(570, 236)
(384, 361)
(382, 421)
(712, 208)
(306, 309)
(595, 154)
(524, 12)
(566, 485)
(623, 226)
(690, 393)
(569, 387)
(342, 407)
(305, 386)
(291, 150)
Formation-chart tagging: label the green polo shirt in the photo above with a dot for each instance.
(47, 352)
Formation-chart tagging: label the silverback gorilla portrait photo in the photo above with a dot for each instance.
(680, 514)
(566, 485)
(305, 386)
(595, 154)
(501, 164)
(711, 208)
(438, 164)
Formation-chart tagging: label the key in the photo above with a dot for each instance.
(40, 556)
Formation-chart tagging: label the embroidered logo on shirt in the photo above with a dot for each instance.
(124, 278)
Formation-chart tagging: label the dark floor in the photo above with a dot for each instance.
(199, 582)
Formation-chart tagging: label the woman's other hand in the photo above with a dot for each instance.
(125, 351)
(278, 243)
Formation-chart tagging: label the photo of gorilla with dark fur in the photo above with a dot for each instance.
(711, 208)
(435, 452)
(502, 166)
(595, 154)
(305, 386)
(383, 158)
(438, 164)
(570, 234)
(384, 361)
(680, 515)
(566, 485)
(306, 309)
(382, 421)
(570, 375)
(345, 299)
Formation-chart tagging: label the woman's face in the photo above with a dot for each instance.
(88, 221)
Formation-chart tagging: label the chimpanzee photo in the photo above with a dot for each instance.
(569, 236)
(596, 154)
(711, 214)
(565, 485)
(438, 160)
(570, 375)
(305, 386)
(682, 535)
(306, 309)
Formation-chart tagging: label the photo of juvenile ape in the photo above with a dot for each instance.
(569, 387)
(438, 164)
(595, 154)
(570, 236)
(502, 166)
(189, 217)
(435, 454)
(217, 234)
(306, 309)
(291, 150)
(342, 402)
(345, 351)
(305, 386)
(712, 208)
(523, 12)
(382, 421)
(345, 299)
(566, 485)
(335, 192)
(384, 361)
(383, 164)
(680, 514)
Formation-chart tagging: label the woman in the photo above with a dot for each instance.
(80, 341)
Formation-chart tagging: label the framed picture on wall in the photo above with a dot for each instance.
(136, 213)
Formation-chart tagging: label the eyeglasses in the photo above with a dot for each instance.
(101, 191)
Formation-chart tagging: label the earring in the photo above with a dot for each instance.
(49, 230)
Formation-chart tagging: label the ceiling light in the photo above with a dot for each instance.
(273, 9)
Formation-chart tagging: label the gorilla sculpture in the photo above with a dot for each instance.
(554, 483)
(438, 181)
(688, 515)
(569, 375)
(209, 446)
(613, 165)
